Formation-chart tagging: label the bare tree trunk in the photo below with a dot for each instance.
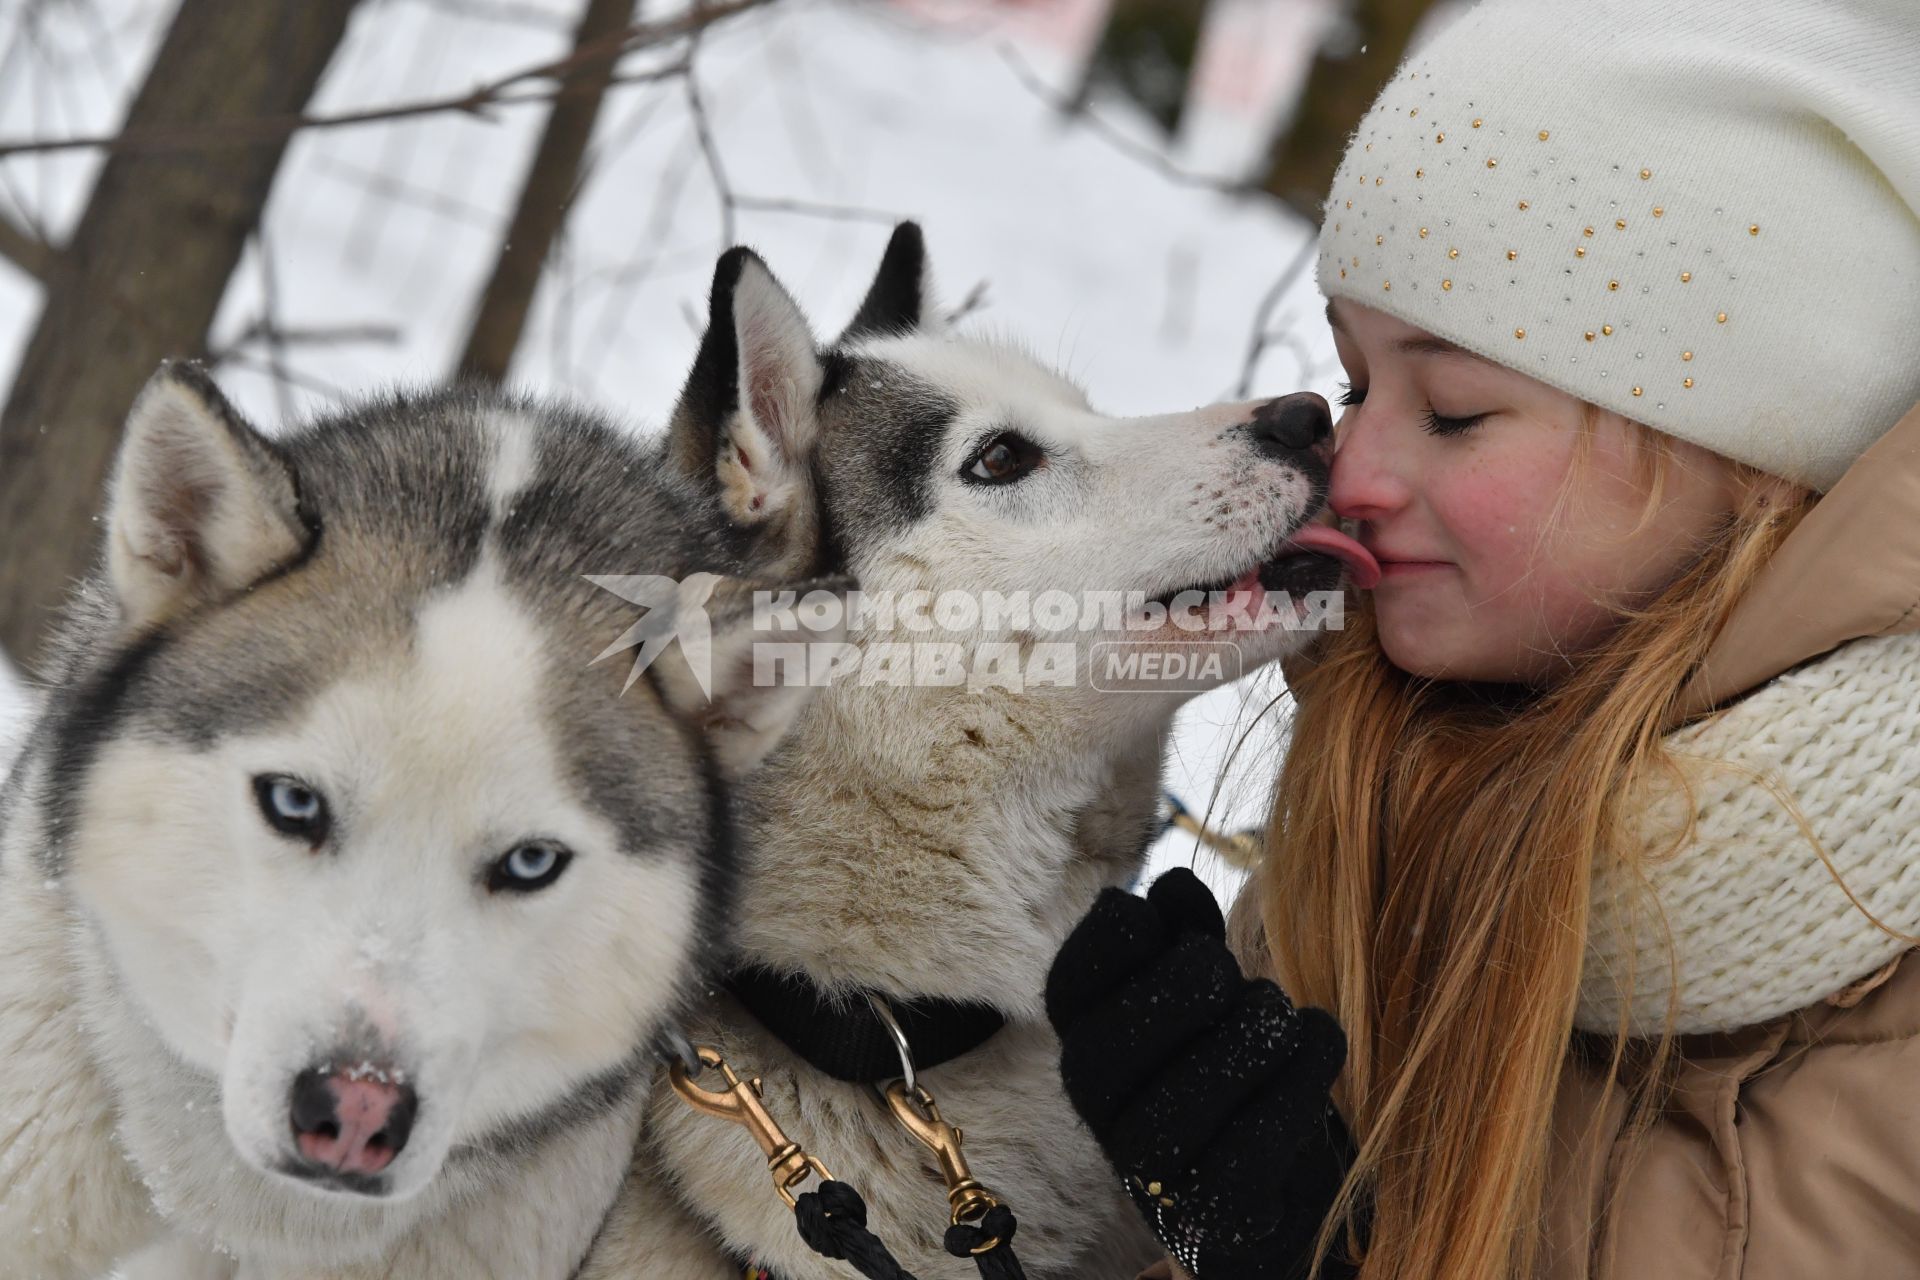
(26, 251)
(545, 198)
(1146, 50)
(140, 280)
(1340, 87)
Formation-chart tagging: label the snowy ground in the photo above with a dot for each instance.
(1142, 284)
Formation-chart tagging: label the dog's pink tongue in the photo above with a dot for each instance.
(1325, 538)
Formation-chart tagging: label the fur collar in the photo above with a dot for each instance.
(1759, 927)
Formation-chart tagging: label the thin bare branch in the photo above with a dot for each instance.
(1145, 152)
(1263, 334)
(476, 102)
(520, 15)
(976, 300)
(703, 130)
(814, 209)
(397, 190)
(306, 382)
(276, 342)
(314, 336)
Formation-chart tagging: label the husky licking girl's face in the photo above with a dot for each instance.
(924, 835)
(917, 459)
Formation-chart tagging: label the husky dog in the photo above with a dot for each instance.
(341, 894)
(938, 839)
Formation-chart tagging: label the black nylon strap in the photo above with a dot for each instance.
(845, 1039)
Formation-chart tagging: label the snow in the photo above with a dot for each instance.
(13, 714)
(1142, 284)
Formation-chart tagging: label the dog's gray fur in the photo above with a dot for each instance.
(936, 841)
(390, 605)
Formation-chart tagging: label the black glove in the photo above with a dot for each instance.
(1208, 1091)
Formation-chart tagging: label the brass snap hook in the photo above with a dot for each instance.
(740, 1103)
(919, 1116)
(916, 1112)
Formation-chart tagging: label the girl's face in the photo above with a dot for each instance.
(1452, 463)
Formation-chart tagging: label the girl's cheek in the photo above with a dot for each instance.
(1482, 514)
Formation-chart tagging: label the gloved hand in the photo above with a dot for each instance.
(1208, 1091)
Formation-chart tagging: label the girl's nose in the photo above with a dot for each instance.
(1368, 481)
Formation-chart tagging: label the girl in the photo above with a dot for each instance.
(1595, 856)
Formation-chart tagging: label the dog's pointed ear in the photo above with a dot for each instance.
(741, 683)
(200, 504)
(747, 419)
(900, 299)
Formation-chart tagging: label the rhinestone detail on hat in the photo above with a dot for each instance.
(1578, 186)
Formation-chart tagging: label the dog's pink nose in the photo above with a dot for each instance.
(351, 1122)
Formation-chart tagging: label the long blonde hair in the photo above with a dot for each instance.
(1426, 879)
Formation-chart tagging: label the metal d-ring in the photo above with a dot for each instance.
(884, 1011)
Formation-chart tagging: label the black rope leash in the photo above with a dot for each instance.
(990, 1244)
(832, 1220)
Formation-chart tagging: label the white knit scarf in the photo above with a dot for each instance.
(1759, 926)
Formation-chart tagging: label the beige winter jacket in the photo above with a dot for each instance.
(1791, 1149)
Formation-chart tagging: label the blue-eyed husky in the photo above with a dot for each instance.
(341, 894)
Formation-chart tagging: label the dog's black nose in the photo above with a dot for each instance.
(1291, 424)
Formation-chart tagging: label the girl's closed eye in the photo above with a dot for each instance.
(1435, 423)
(1439, 426)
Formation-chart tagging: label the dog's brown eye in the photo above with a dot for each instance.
(1004, 458)
(996, 461)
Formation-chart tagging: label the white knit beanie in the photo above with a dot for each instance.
(1701, 214)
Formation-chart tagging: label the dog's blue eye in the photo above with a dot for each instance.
(291, 807)
(527, 867)
(1003, 459)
